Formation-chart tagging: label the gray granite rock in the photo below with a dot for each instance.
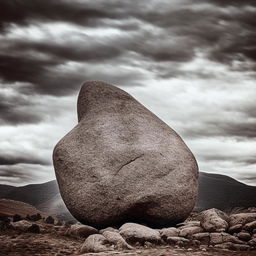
(117, 240)
(169, 232)
(96, 243)
(181, 241)
(245, 236)
(122, 163)
(133, 232)
(79, 230)
(242, 218)
(189, 231)
(214, 220)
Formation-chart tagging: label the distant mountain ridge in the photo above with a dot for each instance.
(224, 193)
(215, 191)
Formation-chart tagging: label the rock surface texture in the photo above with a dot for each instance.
(122, 163)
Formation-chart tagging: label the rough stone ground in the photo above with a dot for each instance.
(15, 243)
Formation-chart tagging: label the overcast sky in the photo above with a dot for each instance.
(191, 62)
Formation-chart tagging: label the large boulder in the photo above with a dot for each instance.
(122, 163)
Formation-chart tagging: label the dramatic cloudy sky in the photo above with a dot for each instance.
(192, 62)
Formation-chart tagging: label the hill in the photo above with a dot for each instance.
(11, 207)
(224, 193)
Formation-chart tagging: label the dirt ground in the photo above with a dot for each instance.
(13, 243)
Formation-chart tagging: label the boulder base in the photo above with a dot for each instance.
(122, 163)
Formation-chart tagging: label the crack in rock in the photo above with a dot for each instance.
(132, 160)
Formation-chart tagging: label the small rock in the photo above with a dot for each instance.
(58, 223)
(180, 241)
(169, 232)
(250, 226)
(235, 228)
(108, 229)
(133, 233)
(245, 236)
(35, 217)
(21, 225)
(49, 220)
(4, 222)
(240, 247)
(189, 231)
(226, 245)
(117, 240)
(204, 238)
(16, 217)
(80, 230)
(191, 223)
(214, 220)
(219, 238)
(95, 243)
(252, 242)
(148, 245)
(34, 228)
(242, 218)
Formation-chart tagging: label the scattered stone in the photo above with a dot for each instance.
(109, 229)
(235, 228)
(148, 245)
(28, 217)
(250, 226)
(191, 223)
(35, 217)
(223, 246)
(240, 247)
(214, 220)
(95, 243)
(16, 217)
(219, 238)
(4, 223)
(49, 220)
(169, 232)
(245, 236)
(252, 242)
(121, 156)
(34, 228)
(180, 241)
(21, 225)
(242, 218)
(133, 233)
(79, 230)
(58, 223)
(204, 238)
(117, 240)
(189, 231)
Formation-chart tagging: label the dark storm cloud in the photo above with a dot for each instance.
(231, 2)
(174, 40)
(239, 129)
(20, 174)
(12, 160)
(245, 160)
(24, 11)
(13, 112)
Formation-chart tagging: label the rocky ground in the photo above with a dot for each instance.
(211, 232)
